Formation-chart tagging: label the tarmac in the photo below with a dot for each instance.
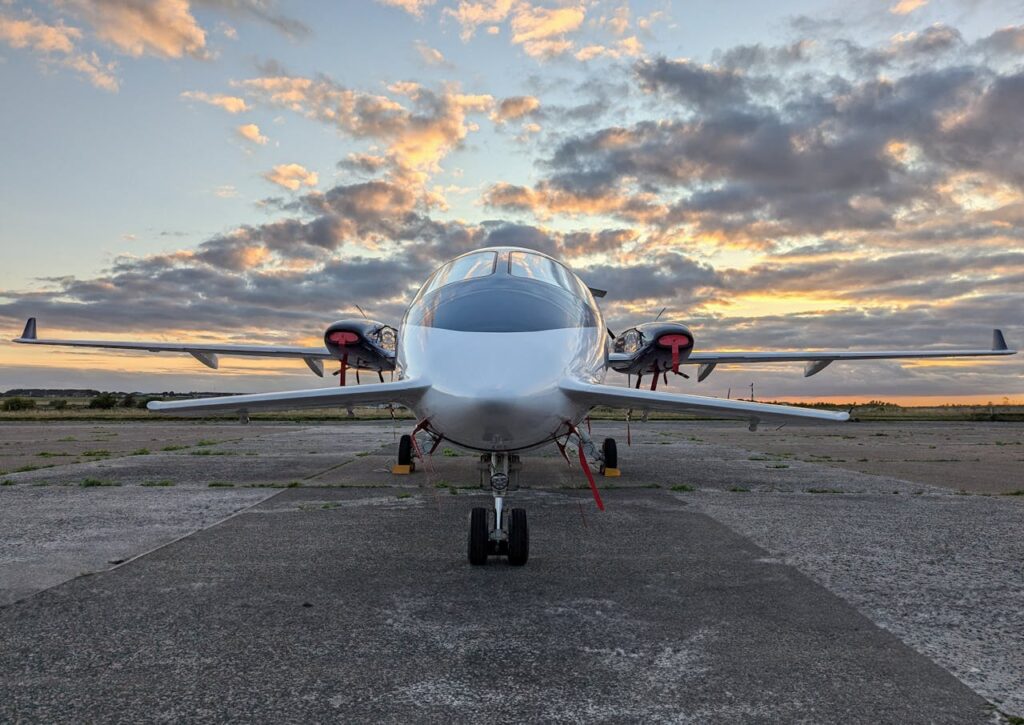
(281, 573)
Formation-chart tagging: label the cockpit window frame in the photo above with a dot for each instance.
(429, 287)
(578, 288)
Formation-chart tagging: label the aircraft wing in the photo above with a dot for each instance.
(616, 397)
(204, 353)
(818, 360)
(404, 392)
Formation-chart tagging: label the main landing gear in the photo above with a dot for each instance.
(498, 532)
(406, 464)
(609, 457)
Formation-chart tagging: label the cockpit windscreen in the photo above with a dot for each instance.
(466, 267)
(535, 266)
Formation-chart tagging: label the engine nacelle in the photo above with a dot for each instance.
(653, 347)
(366, 344)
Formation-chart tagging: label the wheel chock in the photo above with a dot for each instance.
(401, 470)
(611, 472)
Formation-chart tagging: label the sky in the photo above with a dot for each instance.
(777, 175)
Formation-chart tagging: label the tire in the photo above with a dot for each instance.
(518, 537)
(611, 453)
(479, 537)
(405, 450)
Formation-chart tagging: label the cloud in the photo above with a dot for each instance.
(251, 132)
(471, 15)
(876, 189)
(413, 7)
(373, 243)
(542, 31)
(163, 28)
(420, 126)
(668, 276)
(905, 7)
(624, 48)
(56, 43)
(699, 85)
(38, 36)
(291, 176)
(921, 48)
(260, 10)
(1005, 41)
(761, 161)
(546, 200)
(514, 108)
(618, 21)
(100, 74)
(231, 104)
(431, 56)
(746, 57)
(367, 163)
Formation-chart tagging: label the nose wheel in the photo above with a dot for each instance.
(479, 537)
(509, 538)
(518, 537)
(498, 532)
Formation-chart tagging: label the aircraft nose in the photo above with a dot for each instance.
(495, 421)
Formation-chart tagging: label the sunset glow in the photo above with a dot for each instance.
(778, 176)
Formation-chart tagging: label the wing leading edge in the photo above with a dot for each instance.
(818, 360)
(616, 397)
(204, 353)
(404, 392)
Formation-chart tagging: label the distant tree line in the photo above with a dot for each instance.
(100, 401)
(51, 393)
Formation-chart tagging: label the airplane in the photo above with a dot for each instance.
(505, 350)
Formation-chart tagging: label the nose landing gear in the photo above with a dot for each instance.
(493, 533)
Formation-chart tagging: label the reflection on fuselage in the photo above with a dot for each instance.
(495, 347)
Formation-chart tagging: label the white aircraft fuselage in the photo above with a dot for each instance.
(496, 346)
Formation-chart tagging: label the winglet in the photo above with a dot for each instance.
(597, 292)
(29, 332)
(998, 341)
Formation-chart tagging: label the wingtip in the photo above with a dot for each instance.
(998, 341)
(29, 333)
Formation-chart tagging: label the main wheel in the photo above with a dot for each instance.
(405, 451)
(479, 537)
(611, 453)
(518, 537)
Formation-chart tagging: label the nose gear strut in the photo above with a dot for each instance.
(493, 533)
